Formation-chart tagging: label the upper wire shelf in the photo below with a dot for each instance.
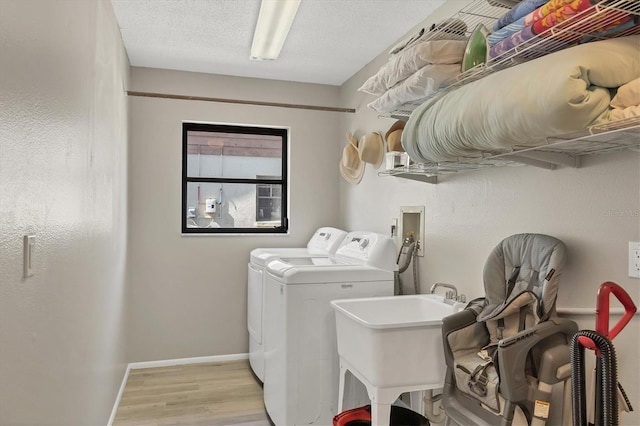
(561, 36)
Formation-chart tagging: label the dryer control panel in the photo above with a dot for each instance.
(368, 248)
(327, 239)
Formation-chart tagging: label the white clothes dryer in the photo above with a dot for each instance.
(301, 358)
(325, 241)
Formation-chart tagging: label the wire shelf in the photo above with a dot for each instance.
(558, 150)
(565, 34)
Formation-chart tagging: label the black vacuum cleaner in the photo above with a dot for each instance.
(606, 385)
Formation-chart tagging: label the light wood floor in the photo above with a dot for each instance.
(212, 394)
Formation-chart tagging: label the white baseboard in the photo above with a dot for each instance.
(116, 404)
(185, 361)
(168, 363)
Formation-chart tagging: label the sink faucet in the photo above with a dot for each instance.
(451, 294)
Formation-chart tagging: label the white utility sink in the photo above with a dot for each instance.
(392, 344)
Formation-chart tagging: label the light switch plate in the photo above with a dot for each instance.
(29, 246)
(634, 259)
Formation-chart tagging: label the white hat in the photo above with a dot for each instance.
(371, 149)
(351, 167)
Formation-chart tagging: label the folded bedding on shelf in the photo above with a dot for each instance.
(613, 22)
(558, 14)
(506, 31)
(548, 10)
(583, 8)
(560, 93)
(626, 102)
(421, 84)
(414, 58)
(518, 12)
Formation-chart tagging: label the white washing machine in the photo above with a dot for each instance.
(301, 357)
(325, 241)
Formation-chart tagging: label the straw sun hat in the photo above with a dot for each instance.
(351, 167)
(394, 135)
(355, 154)
(371, 149)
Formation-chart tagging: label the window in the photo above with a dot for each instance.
(234, 179)
(268, 203)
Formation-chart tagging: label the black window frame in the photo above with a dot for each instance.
(240, 129)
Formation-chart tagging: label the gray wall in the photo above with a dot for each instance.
(594, 209)
(63, 173)
(188, 293)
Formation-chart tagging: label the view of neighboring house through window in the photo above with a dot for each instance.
(234, 179)
(268, 201)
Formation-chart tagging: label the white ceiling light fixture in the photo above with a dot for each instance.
(274, 23)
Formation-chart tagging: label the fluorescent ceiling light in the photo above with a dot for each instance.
(274, 23)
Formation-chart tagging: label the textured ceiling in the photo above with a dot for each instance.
(330, 40)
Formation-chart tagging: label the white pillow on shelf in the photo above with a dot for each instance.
(626, 103)
(407, 62)
(627, 95)
(421, 84)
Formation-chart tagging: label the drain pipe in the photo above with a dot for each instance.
(429, 413)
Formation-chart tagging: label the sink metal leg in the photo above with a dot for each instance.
(343, 373)
(381, 397)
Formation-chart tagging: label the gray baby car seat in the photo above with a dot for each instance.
(508, 349)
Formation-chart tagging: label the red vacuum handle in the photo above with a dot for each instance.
(602, 313)
(602, 309)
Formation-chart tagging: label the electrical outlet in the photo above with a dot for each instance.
(634, 259)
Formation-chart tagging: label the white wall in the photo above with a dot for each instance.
(63, 157)
(594, 209)
(188, 293)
